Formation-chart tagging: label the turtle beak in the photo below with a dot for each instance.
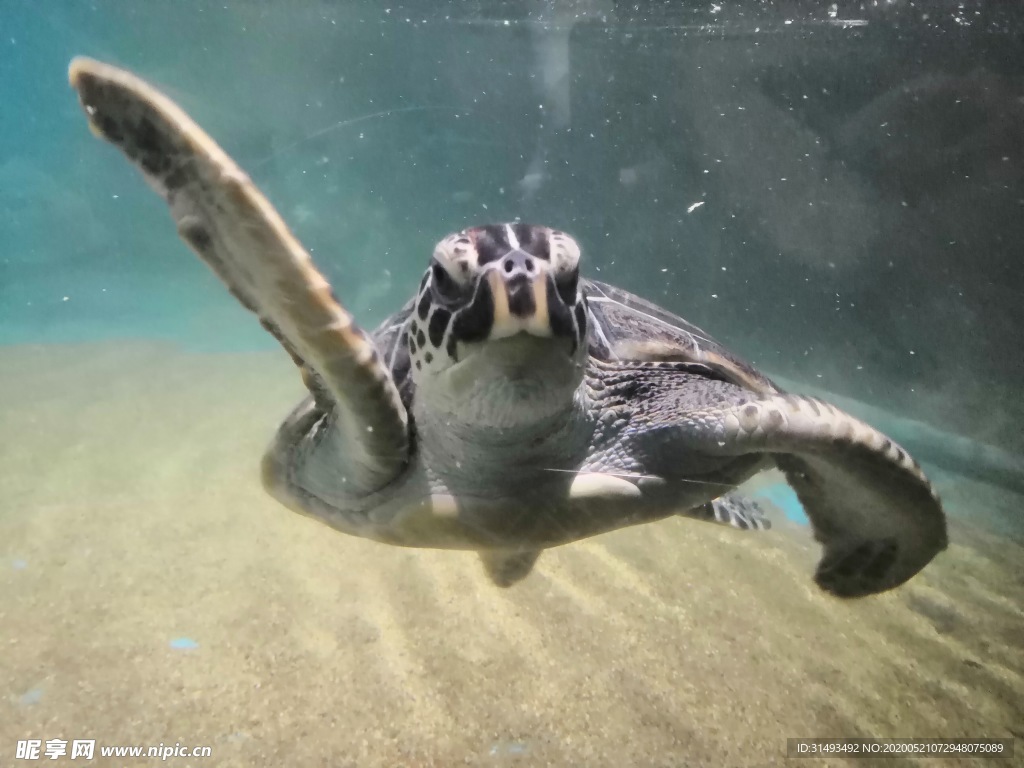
(519, 287)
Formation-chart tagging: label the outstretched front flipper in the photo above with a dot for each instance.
(235, 230)
(870, 505)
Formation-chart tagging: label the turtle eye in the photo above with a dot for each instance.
(445, 288)
(566, 285)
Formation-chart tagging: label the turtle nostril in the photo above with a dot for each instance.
(519, 261)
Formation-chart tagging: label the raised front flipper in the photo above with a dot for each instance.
(870, 504)
(235, 230)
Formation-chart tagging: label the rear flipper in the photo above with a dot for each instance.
(734, 510)
(507, 567)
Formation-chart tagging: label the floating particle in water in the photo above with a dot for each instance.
(18, 564)
(695, 206)
(184, 644)
(30, 697)
(512, 748)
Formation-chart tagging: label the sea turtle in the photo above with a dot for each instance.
(513, 405)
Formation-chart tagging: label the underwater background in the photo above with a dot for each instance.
(833, 190)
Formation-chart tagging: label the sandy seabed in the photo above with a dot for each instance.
(151, 592)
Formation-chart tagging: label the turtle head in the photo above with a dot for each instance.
(500, 316)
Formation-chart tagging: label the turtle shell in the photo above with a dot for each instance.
(625, 327)
(392, 345)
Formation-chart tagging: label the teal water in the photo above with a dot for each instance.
(834, 192)
(855, 175)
